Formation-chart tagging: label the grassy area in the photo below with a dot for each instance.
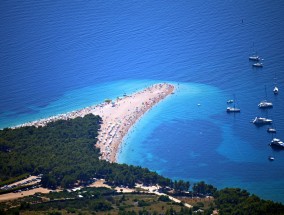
(91, 201)
(120, 204)
(138, 202)
(107, 201)
(199, 203)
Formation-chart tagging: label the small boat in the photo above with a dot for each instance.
(277, 143)
(271, 130)
(265, 104)
(258, 64)
(233, 109)
(261, 121)
(275, 90)
(254, 58)
(271, 158)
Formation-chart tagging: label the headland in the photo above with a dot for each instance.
(118, 116)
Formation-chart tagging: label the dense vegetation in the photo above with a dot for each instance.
(229, 201)
(94, 201)
(64, 152)
(235, 201)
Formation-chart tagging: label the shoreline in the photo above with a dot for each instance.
(118, 116)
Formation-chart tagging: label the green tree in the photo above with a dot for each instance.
(48, 181)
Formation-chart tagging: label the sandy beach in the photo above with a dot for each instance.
(118, 116)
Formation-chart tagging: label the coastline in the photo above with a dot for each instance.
(118, 116)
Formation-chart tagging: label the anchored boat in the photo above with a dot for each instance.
(275, 90)
(261, 121)
(271, 158)
(254, 58)
(277, 143)
(271, 130)
(265, 103)
(258, 64)
(233, 109)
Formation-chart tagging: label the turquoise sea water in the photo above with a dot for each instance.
(56, 57)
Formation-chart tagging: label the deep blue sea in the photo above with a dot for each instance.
(58, 56)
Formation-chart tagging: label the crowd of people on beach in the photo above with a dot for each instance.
(124, 113)
(65, 116)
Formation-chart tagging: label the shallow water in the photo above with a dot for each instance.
(61, 56)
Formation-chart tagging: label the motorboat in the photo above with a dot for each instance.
(265, 104)
(271, 158)
(258, 64)
(254, 58)
(271, 130)
(261, 121)
(277, 143)
(233, 109)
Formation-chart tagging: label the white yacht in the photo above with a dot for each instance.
(258, 64)
(265, 104)
(271, 158)
(261, 121)
(271, 130)
(277, 142)
(254, 58)
(233, 109)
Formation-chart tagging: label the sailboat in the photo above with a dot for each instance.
(265, 103)
(275, 89)
(233, 109)
(254, 57)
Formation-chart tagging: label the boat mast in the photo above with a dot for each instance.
(254, 52)
(234, 102)
(275, 80)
